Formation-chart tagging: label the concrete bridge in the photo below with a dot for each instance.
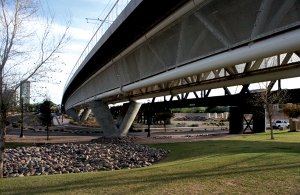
(159, 48)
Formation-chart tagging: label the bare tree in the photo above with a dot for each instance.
(270, 100)
(30, 44)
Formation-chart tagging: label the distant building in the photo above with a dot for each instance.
(25, 92)
(13, 97)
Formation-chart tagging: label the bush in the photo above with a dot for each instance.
(188, 110)
(291, 110)
(216, 109)
(16, 125)
(221, 123)
(73, 123)
(194, 125)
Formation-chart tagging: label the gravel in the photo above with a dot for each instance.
(103, 154)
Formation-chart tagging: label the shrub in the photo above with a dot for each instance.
(221, 123)
(194, 125)
(291, 110)
(73, 123)
(16, 125)
(217, 109)
(188, 110)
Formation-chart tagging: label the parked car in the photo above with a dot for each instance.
(281, 123)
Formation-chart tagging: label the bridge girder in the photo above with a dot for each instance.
(258, 72)
(193, 52)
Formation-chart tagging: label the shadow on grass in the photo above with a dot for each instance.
(187, 161)
(16, 144)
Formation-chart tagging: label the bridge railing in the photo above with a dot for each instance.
(105, 23)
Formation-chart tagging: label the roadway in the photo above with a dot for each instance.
(88, 133)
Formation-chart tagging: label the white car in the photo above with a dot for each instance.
(281, 123)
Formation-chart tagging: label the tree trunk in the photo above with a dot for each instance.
(271, 126)
(2, 140)
(272, 135)
(2, 146)
(148, 135)
(47, 128)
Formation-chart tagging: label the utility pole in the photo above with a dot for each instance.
(62, 114)
(22, 118)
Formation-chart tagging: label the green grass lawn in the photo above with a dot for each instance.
(16, 144)
(247, 164)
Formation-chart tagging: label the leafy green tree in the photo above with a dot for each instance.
(215, 109)
(291, 110)
(189, 110)
(46, 116)
(164, 116)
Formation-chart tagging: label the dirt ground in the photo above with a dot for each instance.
(53, 139)
(142, 140)
(182, 139)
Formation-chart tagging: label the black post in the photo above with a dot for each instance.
(62, 114)
(236, 120)
(149, 118)
(259, 120)
(47, 132)
(22, 118)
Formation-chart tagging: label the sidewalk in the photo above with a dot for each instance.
(57, 121)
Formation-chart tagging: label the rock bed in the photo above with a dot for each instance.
(46, 159)
(185, 136)
(201, 135)
(162, 137)
(191, 118)
(105, 140)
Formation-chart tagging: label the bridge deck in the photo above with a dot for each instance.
(192, 43)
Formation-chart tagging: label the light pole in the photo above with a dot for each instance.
(22, 117)
(62, 114)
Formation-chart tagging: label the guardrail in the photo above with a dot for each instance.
(105, 23)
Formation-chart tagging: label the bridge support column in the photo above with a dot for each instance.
(106, 121)
(127, 116)
(259, 120)
(75, 115)
(104, 118)
(80, 116)
(236, 120)
(85, 115)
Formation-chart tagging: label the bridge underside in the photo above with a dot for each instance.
(216, 44)
(205, 44)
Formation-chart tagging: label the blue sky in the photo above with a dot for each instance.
(80, 9)
(81, 32)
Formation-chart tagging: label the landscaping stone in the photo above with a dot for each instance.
(102, 155)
